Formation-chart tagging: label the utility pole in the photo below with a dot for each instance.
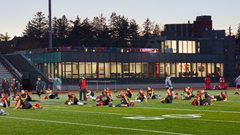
(50, 23)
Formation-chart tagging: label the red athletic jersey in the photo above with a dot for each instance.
(4, 98)
(83, 84)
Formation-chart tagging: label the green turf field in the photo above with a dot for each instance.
(143, 119)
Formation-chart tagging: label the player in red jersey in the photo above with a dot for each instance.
(141, 96)
(169, 96)
(5, 101)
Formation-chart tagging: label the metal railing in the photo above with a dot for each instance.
(11, 68)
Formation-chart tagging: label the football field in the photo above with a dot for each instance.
(146, 118)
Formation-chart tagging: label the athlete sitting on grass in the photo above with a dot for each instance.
(124, 101)
(22, 103)
(5, 101)
(187, 93)
(202, 98)
(169, 96)
(129, 93)
(72, 100)
(141, 96)
(90, 94)
(222, 96)
(109, 92)
(103, 99)
(25, 93)
(151, 94)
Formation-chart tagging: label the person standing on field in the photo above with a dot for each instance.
(40, 87)
(6, 87)
(168, 82)
(83, 89)
(237, 80)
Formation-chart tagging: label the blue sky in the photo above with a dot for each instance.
(16, 13)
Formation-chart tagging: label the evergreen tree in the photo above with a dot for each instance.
(133, 30)
(238, 32)
(37, 27)
(4, 37)
(147, 29)
(156, 30)
(61, 27)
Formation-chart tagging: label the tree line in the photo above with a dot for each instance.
(117, 31)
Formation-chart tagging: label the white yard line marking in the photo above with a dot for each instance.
(106, 113)
(222, 121)
(194, 110)
(93, 125)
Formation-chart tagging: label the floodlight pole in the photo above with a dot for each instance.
(50, 23)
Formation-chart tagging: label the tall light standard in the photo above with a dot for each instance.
(50, 23)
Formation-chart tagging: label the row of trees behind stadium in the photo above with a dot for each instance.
(117, 31)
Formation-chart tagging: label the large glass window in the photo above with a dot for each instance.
(145, 70)
(151, 70)
(204, 73)
(89, 70)
(82, 69)
(101, 73)
(186, 67)
(200, 69)
(132, 70)
(189, 50)
(60, 67)
(75, 70)
(113, 70)
(161, 70)
(185, 47)
(219, 69)
(180, 47)
(94, 73)
(68, 70)
(167, 69)
(179, 69)
(119, 70)
(125, 70)
(174, 46)
(139, 70)
(173, 70)
(193, 47)
(107, 70)
(194, 70)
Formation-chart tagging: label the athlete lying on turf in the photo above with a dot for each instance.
(169, 96)
(222, 96)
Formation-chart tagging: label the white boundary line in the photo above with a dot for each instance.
(194, 110)
(93, 125)
(222, 121)
(90, 112)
